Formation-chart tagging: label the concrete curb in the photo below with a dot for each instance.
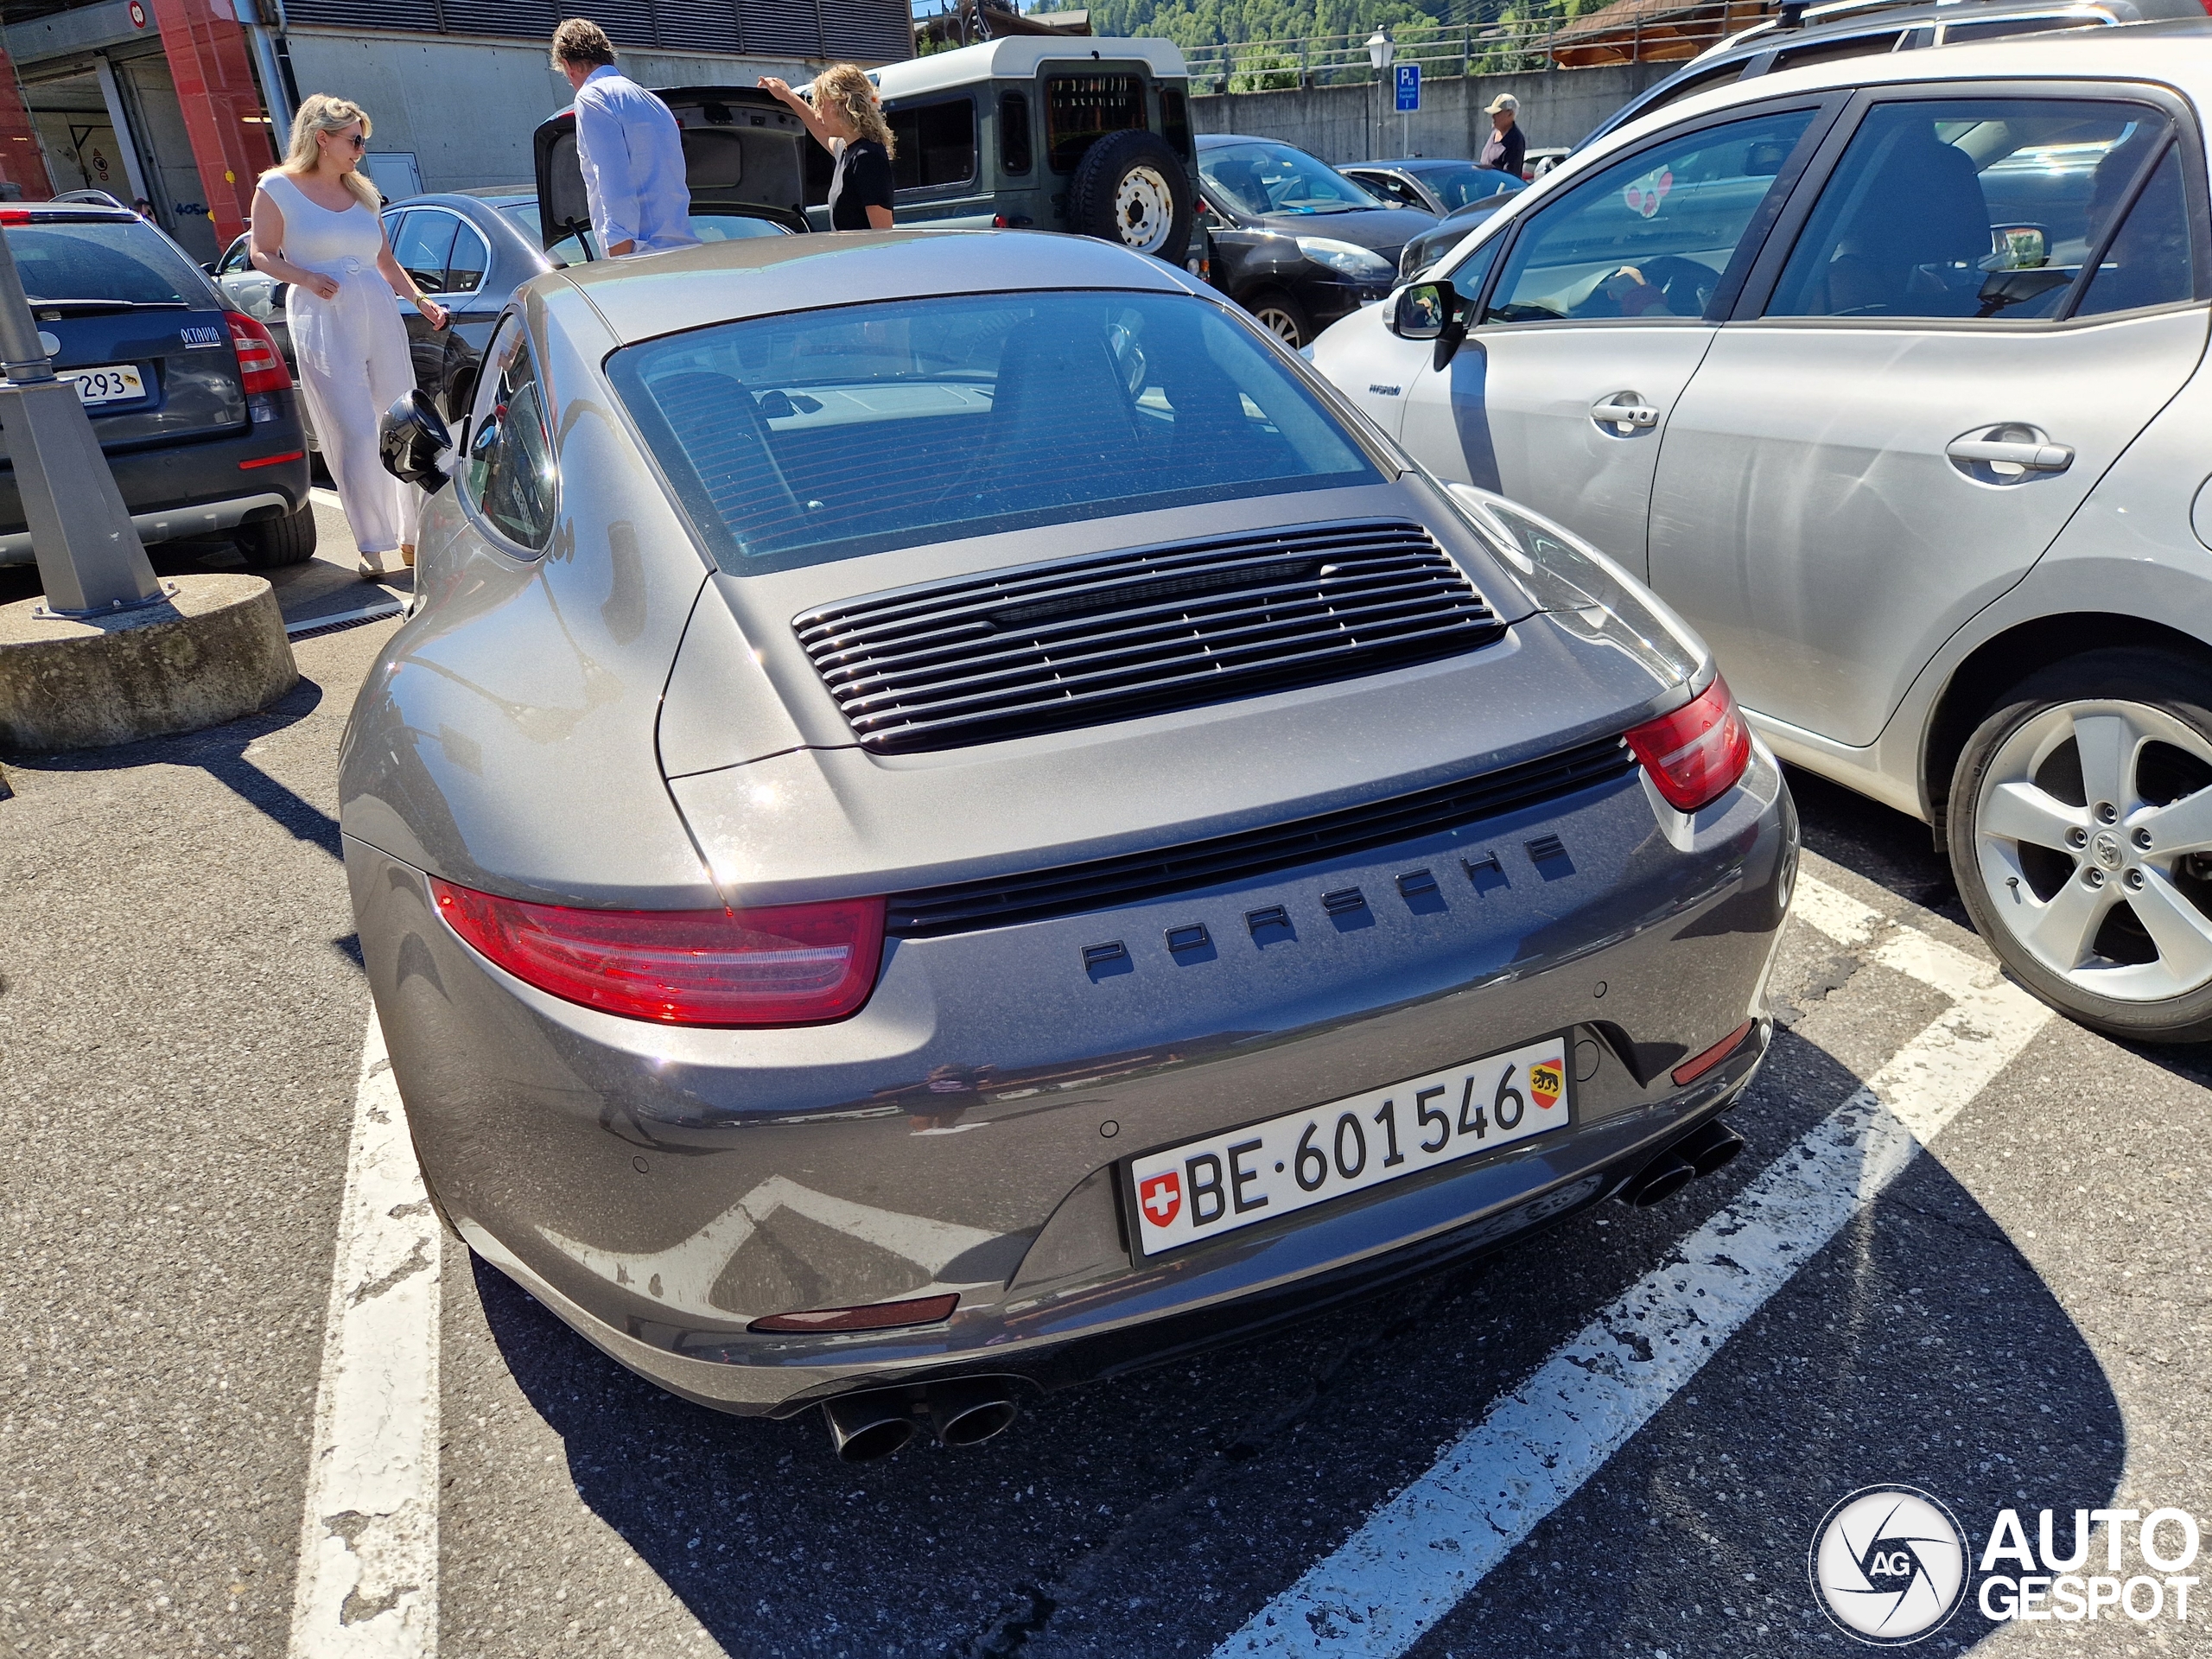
(216, 651)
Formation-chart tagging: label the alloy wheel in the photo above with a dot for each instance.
(1280, 323)
(2092, 840)
(1144, 208)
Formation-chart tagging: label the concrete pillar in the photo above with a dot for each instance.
(23, 163)
(231, 141)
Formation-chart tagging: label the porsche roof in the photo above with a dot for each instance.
(752, 276)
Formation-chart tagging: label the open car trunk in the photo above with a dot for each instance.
(742, 151)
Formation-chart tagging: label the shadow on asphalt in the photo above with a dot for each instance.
(1153, 1513)
(220, 752)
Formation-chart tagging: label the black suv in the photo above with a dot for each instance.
(191, 400)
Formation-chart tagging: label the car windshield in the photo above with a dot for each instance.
(105, 260)
(1260, 178)
(1458, 187)
(796, 440)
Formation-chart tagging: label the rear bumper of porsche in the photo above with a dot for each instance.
(661, 1188)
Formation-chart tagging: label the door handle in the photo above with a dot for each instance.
(2009, 452)
(2035, 457)
(1625, 412)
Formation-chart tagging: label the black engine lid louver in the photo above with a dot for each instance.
(1100, 884)
(1049, 647)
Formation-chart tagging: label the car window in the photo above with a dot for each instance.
(423, 246)
(1014, 150)
(1689, 87)
(1175, 120)
(1967, 208)
(935, 144)
(1265, 178)
(239, 258)
(1470, 273)
(708, 227)
(1997, 28)
(1081, 109)
(823, 434)
(1460, 187)
(105, 259)
(1649, 236)
(470, 259)
(508, 471)
(1834, 50)
(1389, 188)
(2149, 263)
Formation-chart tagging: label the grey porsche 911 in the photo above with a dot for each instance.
(949, 821)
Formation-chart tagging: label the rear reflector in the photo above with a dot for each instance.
(1695, 754)
(794, 965)
(1691, 1070)
(261, 365)
(877, 1316)
(271, 461)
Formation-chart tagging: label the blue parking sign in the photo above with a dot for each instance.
(1409, 88)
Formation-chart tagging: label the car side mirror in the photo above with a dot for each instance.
(1424, 310)
(1435, 311)
(412, 438)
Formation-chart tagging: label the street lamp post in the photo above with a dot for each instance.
(1379, 50)
(90, 559)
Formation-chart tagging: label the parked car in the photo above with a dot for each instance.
(472, 248)
(1295, 242)
(1079, 134)
(1432, 244)
(1087, 851)
(1803, 35)
(1887, 373)
(1433, 184)
(192, 404)
(1534, 163)
(467, 248)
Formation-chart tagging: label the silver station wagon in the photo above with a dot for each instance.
(1888, 374)
(948, 822)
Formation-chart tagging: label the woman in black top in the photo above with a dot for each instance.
(846, 120)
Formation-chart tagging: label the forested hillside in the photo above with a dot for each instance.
(1208, 22)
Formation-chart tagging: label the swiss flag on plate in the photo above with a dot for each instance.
(1162, 1198)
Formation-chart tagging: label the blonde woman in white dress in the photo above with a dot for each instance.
(317, 228)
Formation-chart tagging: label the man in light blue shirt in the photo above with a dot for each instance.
(629, 146)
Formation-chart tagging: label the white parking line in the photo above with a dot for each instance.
(1417, 1555)
(368, 1574)
(325, 497)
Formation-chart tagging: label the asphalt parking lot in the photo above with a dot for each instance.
(1617, 1438)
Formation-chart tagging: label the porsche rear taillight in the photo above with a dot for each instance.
(261, 365)
(1695, 754)
(791, 965)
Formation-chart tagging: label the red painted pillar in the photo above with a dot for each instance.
(207, 58)
(23, 163)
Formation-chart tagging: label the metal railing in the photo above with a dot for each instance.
(1501, 46)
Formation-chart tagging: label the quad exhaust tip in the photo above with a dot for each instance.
(1711, 1145)
(968, 1411)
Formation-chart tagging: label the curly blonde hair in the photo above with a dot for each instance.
(846, 85)
(319, 112)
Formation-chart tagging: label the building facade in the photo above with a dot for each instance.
(185, 103)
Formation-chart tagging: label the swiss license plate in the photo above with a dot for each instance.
(115, 383)
(1187, 1194)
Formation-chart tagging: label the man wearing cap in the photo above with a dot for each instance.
(1505, 147)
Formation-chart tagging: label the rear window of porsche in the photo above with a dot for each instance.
(825, 435)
